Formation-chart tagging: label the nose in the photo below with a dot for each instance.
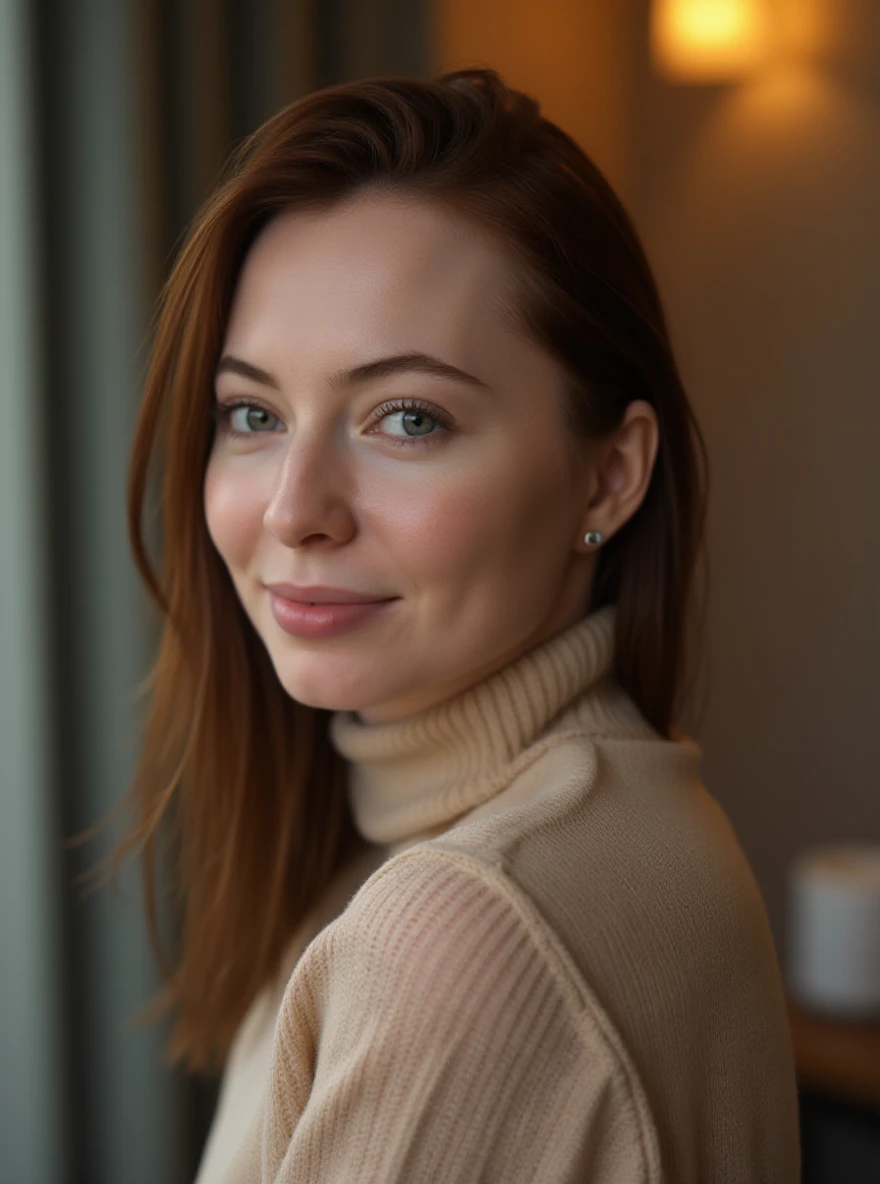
(310, 499)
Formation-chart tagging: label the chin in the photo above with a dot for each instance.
(320, 688)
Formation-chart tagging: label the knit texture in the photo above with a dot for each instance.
(550, 962)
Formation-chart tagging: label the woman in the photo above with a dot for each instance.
(456, 905)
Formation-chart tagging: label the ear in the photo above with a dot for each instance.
(621, 471)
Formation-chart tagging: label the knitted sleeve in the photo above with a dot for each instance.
(431, 1034)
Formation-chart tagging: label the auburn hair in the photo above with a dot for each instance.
(238, 798)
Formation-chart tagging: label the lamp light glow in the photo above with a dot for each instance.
(708, 40)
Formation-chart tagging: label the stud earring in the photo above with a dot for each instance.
(593, 538)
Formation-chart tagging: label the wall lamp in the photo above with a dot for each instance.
(708, 41)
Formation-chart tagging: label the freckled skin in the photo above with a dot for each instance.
(479, 530)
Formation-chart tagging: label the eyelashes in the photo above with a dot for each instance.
(415, 407)
(221, 414)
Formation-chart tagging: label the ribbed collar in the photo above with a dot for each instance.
(413, 776)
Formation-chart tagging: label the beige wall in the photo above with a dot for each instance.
(759, 204)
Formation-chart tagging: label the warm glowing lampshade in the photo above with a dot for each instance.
(708, 40)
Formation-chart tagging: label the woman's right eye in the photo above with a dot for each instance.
(245, 418)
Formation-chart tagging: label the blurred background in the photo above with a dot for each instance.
(752, 169)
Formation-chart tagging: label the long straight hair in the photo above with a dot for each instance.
(237, 784)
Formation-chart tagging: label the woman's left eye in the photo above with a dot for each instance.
(415, 419)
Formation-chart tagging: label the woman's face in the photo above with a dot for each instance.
(461, 510)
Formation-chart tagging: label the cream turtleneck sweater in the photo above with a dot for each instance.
(551, 963)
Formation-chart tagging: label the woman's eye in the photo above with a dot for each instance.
(417, 422)
(246, 418)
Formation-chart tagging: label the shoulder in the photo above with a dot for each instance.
(610, 848)
(448, 935)
(429, 921)
(439, 1002)
(431, 904)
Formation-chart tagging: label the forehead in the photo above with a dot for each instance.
(376, 272)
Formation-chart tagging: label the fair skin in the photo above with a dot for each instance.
(476, 527)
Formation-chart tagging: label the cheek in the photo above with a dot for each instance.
(485, 521)
(233, 513)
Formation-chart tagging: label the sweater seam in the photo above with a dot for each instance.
(552, 740)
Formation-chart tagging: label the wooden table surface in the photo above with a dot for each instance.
(836, 1057)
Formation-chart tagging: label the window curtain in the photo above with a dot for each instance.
(115, 119)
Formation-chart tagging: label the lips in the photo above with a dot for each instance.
(313, 622)
(323, 594)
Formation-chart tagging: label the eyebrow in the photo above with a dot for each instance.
(380, 368)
